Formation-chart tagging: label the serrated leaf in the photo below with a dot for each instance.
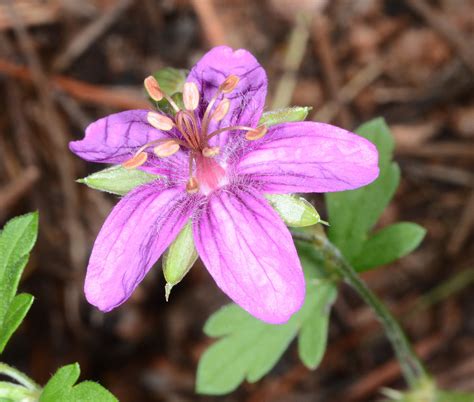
(117, 180)
(294, 210)
(313, 335)
(59, 385)
(353, 213)
(295, 113)
(171, 80)
(388, 244)
(16, 312)
(179, 258)
(16, 241)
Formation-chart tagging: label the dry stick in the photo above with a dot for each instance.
(87, 36)
(210, 22)
(349, 91)
(93, 94)
(440, 24)
(292, 61)
(323, 48)
(55, 131)
(441, 173)
(439, 149)
(13, 191)
(463, 228)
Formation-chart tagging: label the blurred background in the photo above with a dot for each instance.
(65, 63)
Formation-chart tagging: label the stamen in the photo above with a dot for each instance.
(166, 149)
(187, 125)
(136, 161)
(190, 96)
(257, 133)
(231, 128)
(160, 121)
(192, 186)
(209, 152)
(229, 84)
(153, 88)
(221, 110)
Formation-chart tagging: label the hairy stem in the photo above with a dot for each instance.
(411, 366)
(18, 376)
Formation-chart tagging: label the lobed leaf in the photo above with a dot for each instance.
(389, 244)
(117, 180)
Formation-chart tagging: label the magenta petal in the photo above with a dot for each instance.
(132, 239)
(310, 157)
(246, 100)
(250, 254)
(114, 139)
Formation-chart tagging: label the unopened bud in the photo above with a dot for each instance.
(160, 121)
(221, 110)
(153, 88)
(166, 149)
(256, 134)
(190, 96)
(209, 152)
(229, 84)
(138, 160)
(192, 186)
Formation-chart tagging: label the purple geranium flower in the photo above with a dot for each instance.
(216, 164)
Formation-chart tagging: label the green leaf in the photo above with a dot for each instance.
(353, 213)
(61, 388)
(59, 385)
(313, 335)
(249, 348)
(179, 258)
(171, 80)
(117, 180)
(388, 245)
(17, 311)
(16, 241)
(296, 113)
(294, 210)
(449, 396)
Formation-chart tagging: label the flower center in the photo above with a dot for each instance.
(205, 173)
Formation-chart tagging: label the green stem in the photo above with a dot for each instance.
(411, 366)
(18, 376)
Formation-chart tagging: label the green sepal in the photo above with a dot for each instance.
(295, 113)
(179, 258)
(171, 82)
(294, 210)
(117, 180)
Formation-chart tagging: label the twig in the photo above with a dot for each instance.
(292, 61)
(440, 149)
(93, 94)
(87, 36)
(463, 228)
(13, 191)
(441, 25)
(349, 91)
(210, 22)
(323, 49)
(445, 174)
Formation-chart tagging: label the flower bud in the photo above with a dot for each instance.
(159, 121)
(153, 88)
(190, 96)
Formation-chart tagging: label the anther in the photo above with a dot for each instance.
(221, 110)
(153, 88)
(209, 152)
(138, 160)
(229, 84)
(160, 121)
(192, 186)
(190, 96)
(257, 133)
(166, 149)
